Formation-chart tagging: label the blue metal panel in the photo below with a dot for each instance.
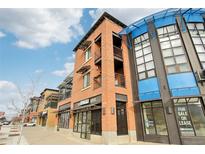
(148, 89)
(164, 18)
(139, 31)
(164, 21)
(183, 84)
(193, 18)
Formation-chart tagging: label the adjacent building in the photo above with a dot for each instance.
(167, 55)
(31, 113)
(47, 108)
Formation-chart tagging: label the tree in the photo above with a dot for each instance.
(25, 100)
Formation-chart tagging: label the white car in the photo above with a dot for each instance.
(29, 124)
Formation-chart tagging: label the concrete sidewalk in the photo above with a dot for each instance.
(42, 136)
(9, 135)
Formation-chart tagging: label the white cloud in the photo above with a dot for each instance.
(2, 34)
(68, 68)
(7, 85)
(36, 28)
(126, 15)
(8, 92)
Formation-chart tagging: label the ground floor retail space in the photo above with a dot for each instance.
(186, 113)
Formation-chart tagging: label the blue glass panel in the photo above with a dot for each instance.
(183, 84)
(148, 89)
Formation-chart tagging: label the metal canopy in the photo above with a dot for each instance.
(164, 18)
(83, 69)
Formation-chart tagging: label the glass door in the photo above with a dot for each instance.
(85, 126)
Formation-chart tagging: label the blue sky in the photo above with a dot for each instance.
(38, 43)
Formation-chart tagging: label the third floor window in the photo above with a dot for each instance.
(197, 33)
(144, 58)
(87, 54)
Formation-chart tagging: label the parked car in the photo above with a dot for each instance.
(6, 123)
(29, 124)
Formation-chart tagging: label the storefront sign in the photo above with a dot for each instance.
(84, 102)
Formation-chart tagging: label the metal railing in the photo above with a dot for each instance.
(98, 54)
(97, 81)
(117, 52)
(119, 80)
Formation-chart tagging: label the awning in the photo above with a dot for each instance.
(44, 113)
(83, 69)
(85, 45)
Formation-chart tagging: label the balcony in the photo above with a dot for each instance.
(98, 56)
(117, 53)
(119, 80)
(97, 81)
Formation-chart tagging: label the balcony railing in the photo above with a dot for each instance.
(97, 54)
(117, 52)
(64, 95)
(97, 81)
(119, 80)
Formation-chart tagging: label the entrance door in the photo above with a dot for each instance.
(155, 129)
(86, 125)
(121, 118)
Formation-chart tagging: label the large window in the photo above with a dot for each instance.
(154, 121)
(190, 116)
(197, 32)
(144, 58)
(174, 55)
(64, 120)
(87, 54)
(86, 80)
(121, 119)
(88, 122)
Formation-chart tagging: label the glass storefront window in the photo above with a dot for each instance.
(197, 116)
(172, 50)
(64, 120)
(154, 121)
(190, 116)
(144, 57)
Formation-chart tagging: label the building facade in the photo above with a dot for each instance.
(168, 75)
(47, 108)
(31, 111)
(142, 82)
(100, 107)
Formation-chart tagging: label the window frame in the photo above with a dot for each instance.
(151, 107)
(88, 80)
(195, 29)
(87, 54)
(142, 40)
(187, 99)
(171, 37)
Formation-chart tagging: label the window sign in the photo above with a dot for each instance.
(184, 121)
(84, 102)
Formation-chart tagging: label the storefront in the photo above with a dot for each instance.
(190, 119)
(44, 118)
(87, 117)
(64, 116)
